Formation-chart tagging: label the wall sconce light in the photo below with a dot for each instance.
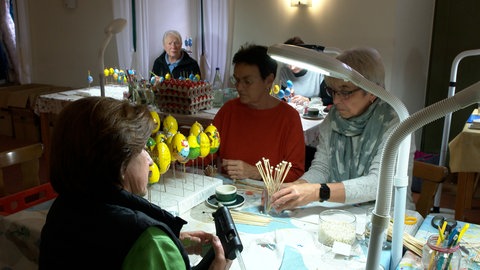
(300, 3)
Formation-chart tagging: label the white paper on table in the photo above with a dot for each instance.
(260, 251)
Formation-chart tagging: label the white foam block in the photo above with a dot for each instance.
(178, 192)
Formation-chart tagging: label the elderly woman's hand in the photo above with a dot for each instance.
(195, 240)
(294, 195)
(238, 169)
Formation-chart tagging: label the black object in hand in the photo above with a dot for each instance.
(227, 232)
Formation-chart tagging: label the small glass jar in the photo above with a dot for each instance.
(267, 206)
(438, 257)
(337, 226)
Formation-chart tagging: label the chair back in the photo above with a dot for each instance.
(28, 159)
(431, 175)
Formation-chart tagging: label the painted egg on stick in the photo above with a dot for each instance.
(204, 144)
(214, 138)
(180, 147)
(194, 147)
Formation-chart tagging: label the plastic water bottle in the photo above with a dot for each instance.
(217, 88)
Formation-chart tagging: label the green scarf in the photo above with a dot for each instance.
(349, 160)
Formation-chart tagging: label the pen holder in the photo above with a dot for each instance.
(438, 257)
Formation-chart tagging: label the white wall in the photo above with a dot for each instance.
(65, 42)
(400, 30)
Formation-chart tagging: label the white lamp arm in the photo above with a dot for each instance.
(468, 96)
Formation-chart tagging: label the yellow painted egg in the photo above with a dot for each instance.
(156, 119)
(214, 138)
(276, 89)
(170, 123)
(180, 147)
(111, 71)
(162, 157)
(160, 137)
(106, 72)
(169, 143)
(168, 76)
(197, 77)
(196, 128)
(194, 146)
(154, 174)
(204, 144)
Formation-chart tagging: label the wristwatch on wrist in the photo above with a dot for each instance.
(324, 193)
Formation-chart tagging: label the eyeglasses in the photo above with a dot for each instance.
(341, 93)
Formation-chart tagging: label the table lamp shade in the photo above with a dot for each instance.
(111, 29)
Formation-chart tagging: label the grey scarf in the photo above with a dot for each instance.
(349, 160)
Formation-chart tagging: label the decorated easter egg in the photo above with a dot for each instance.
(281, 93)
(151, 143)
(154, 174)
(204, 144)
(106, 72)
(170, 124)
(287, 92)
(111, 71)
(180, 147)
(196, 128)
(90, 79)
(194, 146)
(289, 84)
(276, 88)
(213, 137)
(169, 143)
(160, 137)
(168, 76)
(164, 158)
(156, 119)
(197, 77)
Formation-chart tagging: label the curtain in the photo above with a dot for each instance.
(133, 41)
(8, 44)
(218, 37)
(151, 21)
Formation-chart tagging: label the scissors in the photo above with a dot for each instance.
(438, 220)
(410, 220)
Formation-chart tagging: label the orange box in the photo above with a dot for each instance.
(25, 199)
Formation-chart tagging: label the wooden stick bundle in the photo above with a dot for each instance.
(413, 244)
(273, 177)
(250, 218)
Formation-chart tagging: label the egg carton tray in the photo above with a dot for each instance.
(184, 108)
(178, 192)
(174, 91)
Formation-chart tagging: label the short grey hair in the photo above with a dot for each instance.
(174, 33)
(366, 61)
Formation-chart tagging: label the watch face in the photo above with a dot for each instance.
(324, 192)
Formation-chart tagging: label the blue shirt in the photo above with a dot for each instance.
(173, 65)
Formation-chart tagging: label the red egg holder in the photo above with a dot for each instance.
(183, 97)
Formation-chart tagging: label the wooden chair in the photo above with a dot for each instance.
(28, 159)
(431, 175)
